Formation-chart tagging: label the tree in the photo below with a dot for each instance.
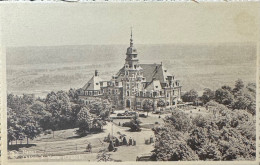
(73, 95)
(226, 87)
(239, 84)
(230, 136)
(84, 122)
(161, 103)
(31, 131)
(190, 96)
(245, 98)
(179, 120)
(251, 87)
(23, 117)
(147, 105)
(135, 124)
(59, 105)
(224, 96)
(208, 95)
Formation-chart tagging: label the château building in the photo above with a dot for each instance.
(134, 83)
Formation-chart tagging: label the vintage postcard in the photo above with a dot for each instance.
(130, 82)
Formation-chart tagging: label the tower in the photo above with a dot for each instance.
(133, 76)
(131, 61)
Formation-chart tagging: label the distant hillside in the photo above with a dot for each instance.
(197, 66)
(219, 53)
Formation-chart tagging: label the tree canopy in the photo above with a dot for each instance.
(229, 136)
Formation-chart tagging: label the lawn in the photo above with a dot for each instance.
(67, 145)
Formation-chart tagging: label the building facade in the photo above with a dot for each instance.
(134, 83)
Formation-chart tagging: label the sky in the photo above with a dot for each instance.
(39, 24)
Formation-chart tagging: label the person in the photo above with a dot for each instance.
(130, 141)
(89, 147)
(124, 141)
(134, 142)
(151, 139)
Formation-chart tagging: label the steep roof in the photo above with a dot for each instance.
(155, 70)
(120, 74)
(93, 83)
(150, 71)
(155, 85)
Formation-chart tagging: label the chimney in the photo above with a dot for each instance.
(96, 73)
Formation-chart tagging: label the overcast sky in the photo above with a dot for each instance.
(156, 23)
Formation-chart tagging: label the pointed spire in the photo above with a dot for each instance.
(131, 32)
(131, 39)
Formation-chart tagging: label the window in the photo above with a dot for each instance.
(156, 86)
(96, 83)
(135, 66)
(128, 93)
(165, 70)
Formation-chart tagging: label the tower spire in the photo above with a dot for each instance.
(131, 39)
(131, 32)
